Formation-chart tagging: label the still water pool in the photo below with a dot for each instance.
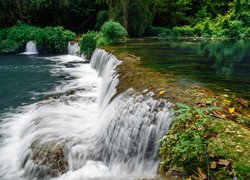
(216, 64)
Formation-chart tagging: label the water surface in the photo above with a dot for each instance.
(23, 79)
(216, 64)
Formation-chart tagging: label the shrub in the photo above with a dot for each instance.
(10, 46)
(21, 33)
(207, 31)
(3, 34)
(157, 31)
(185, 31)
(88, 43)
(113, 32)
(235, 29)
(48, 40)
(53, 39)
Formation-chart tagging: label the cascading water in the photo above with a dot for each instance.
(76, 134)
(73, 48)
(30, 48)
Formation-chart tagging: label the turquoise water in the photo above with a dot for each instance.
(23, 79)
(216, 64)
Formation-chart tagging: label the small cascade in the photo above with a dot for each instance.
(105, 64)
(30, 48)
(73, 48)
(74, 134)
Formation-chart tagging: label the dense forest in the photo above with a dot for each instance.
(219, 18)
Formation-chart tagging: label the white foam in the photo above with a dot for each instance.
(102, 137)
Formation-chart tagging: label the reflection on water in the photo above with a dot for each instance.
(216, 64)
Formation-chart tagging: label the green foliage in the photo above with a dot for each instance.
(101, 18)
(207, 31)
(53, 39)
(3, 34)
(48, 40)
(157, 31)
(186, 143)
(65, 13)
(10, 46)
(16, 38)
(88, 43)
(186, 31)
(113, 32)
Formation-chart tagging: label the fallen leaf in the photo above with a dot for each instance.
(202, 175)
(213, 165)
(223, 162)
(231, 110)
(189, 178)
(162, 92)
(226, 101)
(219, 114)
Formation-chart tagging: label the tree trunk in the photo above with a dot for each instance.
(18, 3)
(110, 6)
(125, 5)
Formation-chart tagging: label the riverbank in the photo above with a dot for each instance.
(226, 133)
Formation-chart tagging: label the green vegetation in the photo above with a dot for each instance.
(186, 144)
(209, 19)
(88, 43)
(53, 39)
(180, 18)
(48, 40)
(231, 21)
(111, 33)
(197, 143)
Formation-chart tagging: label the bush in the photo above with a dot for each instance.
(20, 34)
(207, 31)
(3, 34)
(235, 28)
(185, 31)
(157, 31)
(9, 46)
(88, 43)
(53, 39)
(113, 32)
(48, 40)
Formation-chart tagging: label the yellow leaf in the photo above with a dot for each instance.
(202, 175)
(162, 92)
(189, 178)
(231, 110)
(226, 101)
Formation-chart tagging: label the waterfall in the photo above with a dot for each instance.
(73, 48)
(84, 130)
(30, 48)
